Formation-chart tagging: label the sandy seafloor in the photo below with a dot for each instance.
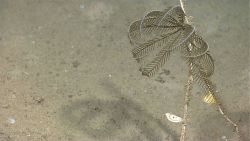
(67, 73)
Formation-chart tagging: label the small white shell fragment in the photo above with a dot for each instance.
(224, 138)
(11, 120)
(82, 6)
(173, 118)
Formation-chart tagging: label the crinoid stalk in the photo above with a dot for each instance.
(161, 33)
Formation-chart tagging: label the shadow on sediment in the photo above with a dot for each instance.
(103, 119)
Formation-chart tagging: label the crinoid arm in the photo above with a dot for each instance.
(156, 36)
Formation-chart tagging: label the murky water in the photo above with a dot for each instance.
(67, 73)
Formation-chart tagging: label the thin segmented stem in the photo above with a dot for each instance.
(227, 118)
(187, 95)
(189, 86)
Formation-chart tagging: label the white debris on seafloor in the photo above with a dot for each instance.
(224, 138)
(82, 6)
(11, 120)
(173, 118)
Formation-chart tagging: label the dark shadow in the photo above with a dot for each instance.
(85, 115)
